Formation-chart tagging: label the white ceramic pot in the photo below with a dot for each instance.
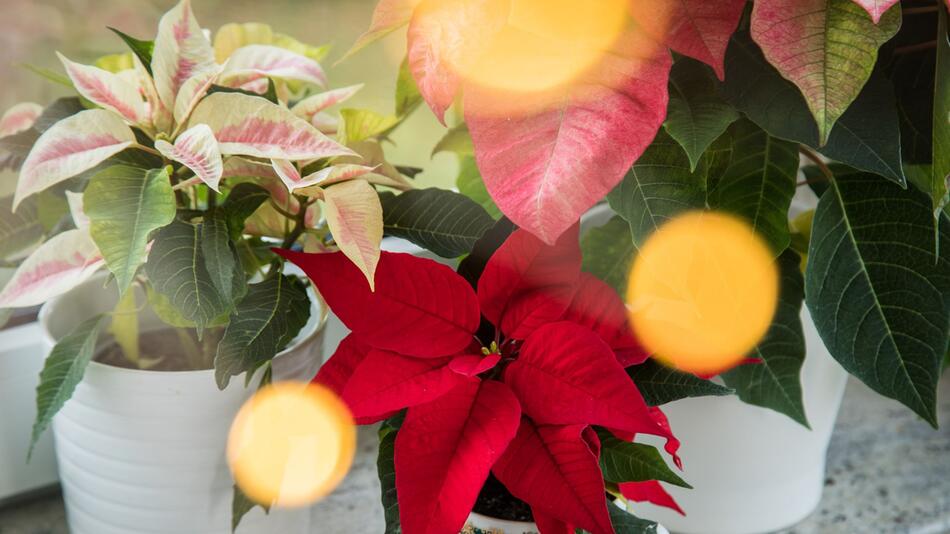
(143, 451)
(753, 470)
(21, 358)
(481, 524)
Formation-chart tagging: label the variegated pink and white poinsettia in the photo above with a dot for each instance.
(249, 105)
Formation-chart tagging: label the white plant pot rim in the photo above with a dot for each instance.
(485, 522)
(318, 310)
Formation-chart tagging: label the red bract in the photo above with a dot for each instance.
(522, 409)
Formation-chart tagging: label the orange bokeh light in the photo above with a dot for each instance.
(702, 292)
(291, 444)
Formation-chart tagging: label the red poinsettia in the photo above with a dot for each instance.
(521, 407)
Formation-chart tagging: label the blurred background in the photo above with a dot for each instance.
(78, 29)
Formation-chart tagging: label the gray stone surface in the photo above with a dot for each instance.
(888, 472)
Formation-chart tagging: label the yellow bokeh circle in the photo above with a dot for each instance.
(702, 292)
(544, 44)
(291, 444)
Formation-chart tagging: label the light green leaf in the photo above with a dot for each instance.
(879, 296)
(827, 48)
(407, 92)
(385, 466)
(125, 326)
(62, 372)
(608, 253)
(657, 187)
(696, 115)
(125, 205)
(622, 461)
(660, 384)
(21, 230)
(759, 183)
(940, 180)
(469, 182)
(444, 222)
(360, 124)
(263, 323)
(775, 382)
(177, 268)
(456, 140)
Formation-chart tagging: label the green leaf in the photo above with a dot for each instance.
(386, 468)
(775, 382)
(696, 115)
(830, 65)
(221, 258)
(659, 186)
(62, 372)
(270, 95)
(456, 140)
(142, 49)
(125, 326)
(21, 230)
(407, 92)
(51, 208)
(438, 220)
(759, 183)
(879, 296)
(241, 504)
(49, 74)
(622, 461)
(242, 202)
(940, 180)
(360, 124)
(177, 269)
(263, 323)
(608, 253)
(125, 205)
(469, 182)
(660, 384)
(867, 136)
(627, 523)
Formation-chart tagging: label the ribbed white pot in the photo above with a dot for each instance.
(753, 470)
(143, 451)
(21, 358)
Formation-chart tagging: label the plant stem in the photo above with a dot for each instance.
(816, 159)
(150, 150)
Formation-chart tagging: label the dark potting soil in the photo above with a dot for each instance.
(495, 501)
(165, 349)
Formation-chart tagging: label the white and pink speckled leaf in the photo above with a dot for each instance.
(58, 265)
(253, 126)
(106, 90)
(355, 218)
(76, 210)
(256, 62)
(71, 146)
(547, 158)
(19, 117)
(193, 90)
(159, 116)
(312, 105)
(389, 16)
(336, 174)
(827, 48)
(326, 123)
(181, 51)
(287, 172)
(441, 34)
(876, 8)
(197, 149)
